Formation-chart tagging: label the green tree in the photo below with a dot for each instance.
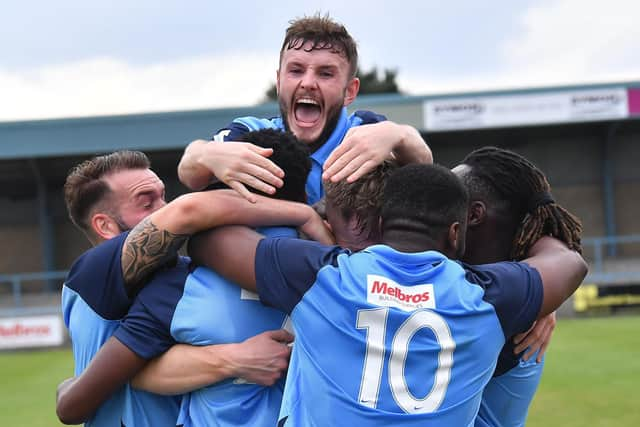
(370, 82)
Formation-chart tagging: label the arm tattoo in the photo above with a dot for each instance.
(146, 249)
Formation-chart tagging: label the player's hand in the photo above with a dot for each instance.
(241, 164)
(317, 229)
(537, 338)
(262, 359)
(362, 149)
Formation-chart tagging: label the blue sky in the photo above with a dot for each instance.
(74, 58)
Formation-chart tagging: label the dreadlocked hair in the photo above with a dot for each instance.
(518, 184)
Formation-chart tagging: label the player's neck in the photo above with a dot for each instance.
(412, 241)
(484, 246)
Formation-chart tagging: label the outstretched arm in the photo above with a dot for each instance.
(237, 164)
(157, 238)
(365, 147)
(261, 359)
(561, 269)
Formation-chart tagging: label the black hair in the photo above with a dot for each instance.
(291, 155)
(428, 198)
(521, 195)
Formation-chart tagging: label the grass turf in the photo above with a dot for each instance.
(28, 381)
(591, 378)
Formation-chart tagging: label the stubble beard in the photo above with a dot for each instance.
(333, 116)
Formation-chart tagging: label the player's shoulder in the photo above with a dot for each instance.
(497, 274)
(96, 278)
(96, 259)
(291, 250)
(241, 125)
(514, 289)
(366, 117)
(165, 287)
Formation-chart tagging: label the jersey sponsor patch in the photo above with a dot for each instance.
(382, 291)
(245, 294)
(220, 136)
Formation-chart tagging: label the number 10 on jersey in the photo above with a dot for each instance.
(375, 323)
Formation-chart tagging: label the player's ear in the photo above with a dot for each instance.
(277, 81)
(456, 239)
(351, 91)
(477, 213)
(104, 226)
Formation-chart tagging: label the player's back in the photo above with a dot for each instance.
(94, 300)
(390, 338)
(91, 309)
(213, 310)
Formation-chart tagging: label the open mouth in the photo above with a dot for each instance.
(307, 111)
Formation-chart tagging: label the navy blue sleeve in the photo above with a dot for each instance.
(232, 132)
(146, 329)
(97, 277)
(369, 117)
(514, 289)
(287, 268)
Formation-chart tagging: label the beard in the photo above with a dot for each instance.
(117, 218)
(333, 115)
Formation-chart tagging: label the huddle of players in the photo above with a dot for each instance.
(395, 332)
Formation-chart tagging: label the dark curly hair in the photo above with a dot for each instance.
(520, 192)
(425, 198)
(291, 155)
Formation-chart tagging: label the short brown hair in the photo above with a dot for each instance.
(363, 197)
(323, 33)
(85, 187)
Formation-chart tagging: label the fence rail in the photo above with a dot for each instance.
(600, 243)
(597, 274)
(16, 283)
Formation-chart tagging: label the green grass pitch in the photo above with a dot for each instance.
(592, 378)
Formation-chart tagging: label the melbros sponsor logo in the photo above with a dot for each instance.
(385, 292)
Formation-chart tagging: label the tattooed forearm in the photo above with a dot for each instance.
(146, 249)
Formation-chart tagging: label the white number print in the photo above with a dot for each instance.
(375, 322)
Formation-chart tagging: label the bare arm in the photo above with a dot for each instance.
(77, 399)
(235, 163)
(536, 339)
(159, 236)
(237, 265)
(365, 147)
(562, 271)
(261, 359)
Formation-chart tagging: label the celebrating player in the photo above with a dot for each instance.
(315, 82)
(106, 196)
(511, 207)
(397, 333)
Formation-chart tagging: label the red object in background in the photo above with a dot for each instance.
(633, 99)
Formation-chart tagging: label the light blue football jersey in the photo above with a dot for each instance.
(91, 310)
(94, 300)
(390, 338)
(213, 310)
(506, 399)
(314, 187)
(201, 308)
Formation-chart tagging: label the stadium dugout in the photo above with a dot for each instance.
(585, 138)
